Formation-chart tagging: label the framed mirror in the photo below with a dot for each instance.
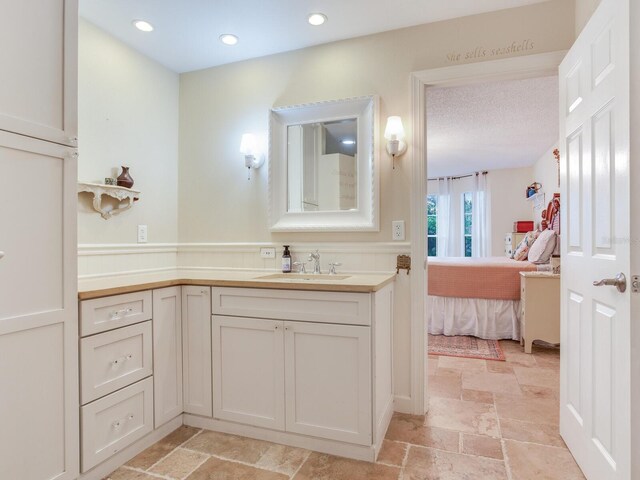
(323, 170)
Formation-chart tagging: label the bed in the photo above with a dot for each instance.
(475, 296)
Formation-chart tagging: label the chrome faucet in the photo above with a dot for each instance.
(315, 257)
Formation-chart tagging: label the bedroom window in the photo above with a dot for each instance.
(467, 215)
(432, 225)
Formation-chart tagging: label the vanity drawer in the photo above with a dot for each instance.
(301, 305)
(102, 314)
(114, 359)
(115, 422)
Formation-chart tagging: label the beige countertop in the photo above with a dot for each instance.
(359, 283)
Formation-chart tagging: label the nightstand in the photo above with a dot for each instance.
(540, 308)
(511, 241)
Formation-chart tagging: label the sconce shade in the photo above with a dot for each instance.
(248, 144)
(394, 130)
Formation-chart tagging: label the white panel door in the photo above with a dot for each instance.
(38, 310)
(328, 381)
(167, 354)
(39, 63)
(595, 327)
(196, 348)
(248, 365)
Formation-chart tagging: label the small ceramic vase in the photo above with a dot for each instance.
(125, 180)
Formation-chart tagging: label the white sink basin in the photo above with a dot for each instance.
(305, 277)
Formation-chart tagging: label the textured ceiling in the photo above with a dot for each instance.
(186, 31)
(489, 126)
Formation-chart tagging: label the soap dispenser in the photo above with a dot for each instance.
(286, 260)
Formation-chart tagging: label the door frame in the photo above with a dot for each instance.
(515, 68)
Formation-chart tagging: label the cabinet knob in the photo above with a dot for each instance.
(204, 291)
(1, 254)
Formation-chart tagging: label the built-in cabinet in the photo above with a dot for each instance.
(248, 366)
(131, 369)
(196, 350)
(39, 394)
(304, 368)
(167, 354)
(305, 363)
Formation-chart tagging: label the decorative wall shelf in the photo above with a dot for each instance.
(537, 199)
(114, 191)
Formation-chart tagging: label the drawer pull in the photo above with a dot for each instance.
(118, 423)
(120, 314)
(121, 360)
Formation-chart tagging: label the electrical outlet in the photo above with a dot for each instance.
(268, 253)
(397, 230)
(142, 234)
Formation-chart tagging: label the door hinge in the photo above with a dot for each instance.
(635, 283)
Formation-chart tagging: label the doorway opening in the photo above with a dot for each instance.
(480, 130)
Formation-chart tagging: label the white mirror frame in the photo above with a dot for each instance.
(366, 216)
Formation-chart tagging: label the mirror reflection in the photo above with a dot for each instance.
(322, 166)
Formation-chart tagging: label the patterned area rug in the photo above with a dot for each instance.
(468, 347)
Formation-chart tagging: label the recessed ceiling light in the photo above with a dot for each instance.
(317, 19)
(348, 142)
(143, 26)
(228, 39)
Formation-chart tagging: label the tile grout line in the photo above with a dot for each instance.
(207, 457)
(232, 460)
(145, 472)
(173, 449)
(301, 465)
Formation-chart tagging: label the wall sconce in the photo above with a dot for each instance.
(394, 133)
(252, 157)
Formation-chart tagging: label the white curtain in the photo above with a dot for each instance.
(447, 244)
(481, 238)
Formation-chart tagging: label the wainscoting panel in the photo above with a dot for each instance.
(111, 260)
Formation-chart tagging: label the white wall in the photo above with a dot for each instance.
(507, 202)
(584, 10)
(128, 115)
(218, 104)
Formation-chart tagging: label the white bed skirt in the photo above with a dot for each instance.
(484, 318)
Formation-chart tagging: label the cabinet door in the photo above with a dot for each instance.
(39, 399)
(167, 354)
(196, 347)
(328, 381)
(248, 362)
(39, 62)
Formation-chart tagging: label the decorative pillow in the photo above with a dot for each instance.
(523, 247)
(542, 248)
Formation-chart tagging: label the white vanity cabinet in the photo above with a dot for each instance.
(248, 374)
(313, 365)
(328, 381)
(196, 350)
(167, 354)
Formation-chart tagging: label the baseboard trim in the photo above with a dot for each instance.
(403, 404)
(332, 447)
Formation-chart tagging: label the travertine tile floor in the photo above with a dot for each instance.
(487, 421)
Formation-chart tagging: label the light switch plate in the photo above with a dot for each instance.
(142, 234)
(268, 252)
(397, 230)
